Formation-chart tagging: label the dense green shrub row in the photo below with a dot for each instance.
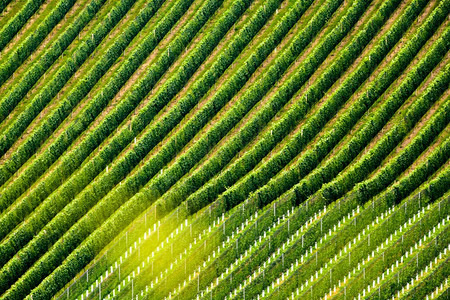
(230, 224)
(25, 48)
(19, 90)
(313, 155)
(249, 29)
(196, 152)
(243, 244)
(256, 178)
(308, 160)
(398, 164)
(417, 108)
(312, 55)
(12, 98)
(436, 159)
(233, 8)
(3, 4)
(73, 159)
(90, 170)
(362, 167)
(16, 128)
(14, 216)
(253, 126)
(162, 23)
(242, 36)
(217, 208)
(93, 108)
(402, 125)
(80, 90)
(10, 29)
(53, 203)
(163, 182)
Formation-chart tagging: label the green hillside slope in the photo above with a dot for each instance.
(238, 149)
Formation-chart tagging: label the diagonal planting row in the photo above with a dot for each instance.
(53, 204)
(84, 39)
(292, 224)
(247, 129)
(218, 126)
(322, 225)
